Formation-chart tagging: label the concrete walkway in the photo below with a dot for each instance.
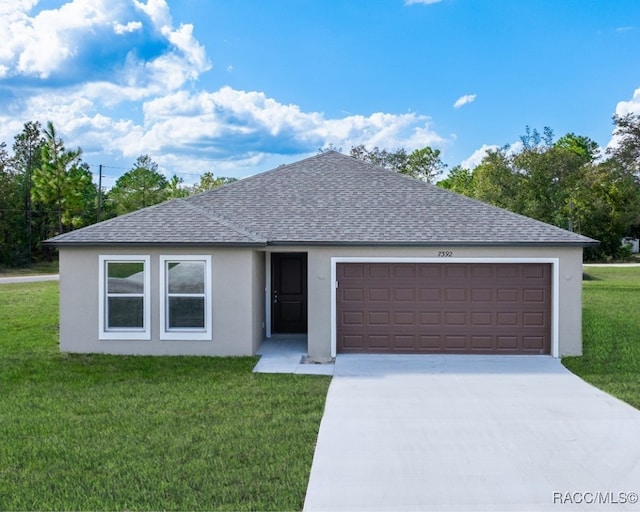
(461, 433)
(287, 354)
(29, 279)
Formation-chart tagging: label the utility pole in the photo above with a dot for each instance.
(99, 191)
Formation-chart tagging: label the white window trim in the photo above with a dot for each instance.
(186, 334)
(123, 333)
(555, 285)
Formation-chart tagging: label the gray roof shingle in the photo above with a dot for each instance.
(329, 199)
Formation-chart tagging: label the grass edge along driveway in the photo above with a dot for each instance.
(97, 432)
(611, 332)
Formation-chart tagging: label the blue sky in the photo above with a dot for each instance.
(240, 86)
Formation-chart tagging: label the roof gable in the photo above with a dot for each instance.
(328, 199)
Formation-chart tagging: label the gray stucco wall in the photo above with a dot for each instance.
(234, 303)
(258, 299)
(238, 296)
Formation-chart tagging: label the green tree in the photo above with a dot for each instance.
(394, 160)
(423, 164)
(11, 232)
(460, 180)
(139, 187)
(27, 157)
(606, 206)
(57, 185)
(496, 182)
(175, 188)
(627, 151)
(209, 182)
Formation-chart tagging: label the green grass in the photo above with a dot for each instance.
(96, 432)
(611, 332)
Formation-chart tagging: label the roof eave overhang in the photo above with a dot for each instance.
(443, 243)
(322, 243)
(154, 244)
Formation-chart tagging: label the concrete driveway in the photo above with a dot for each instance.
(472, 433)
(29, 279)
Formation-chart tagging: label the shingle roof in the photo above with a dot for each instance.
(328, 199)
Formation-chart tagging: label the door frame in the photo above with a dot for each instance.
(555, 285)
(268, 273)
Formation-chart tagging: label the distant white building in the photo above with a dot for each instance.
(633, 242)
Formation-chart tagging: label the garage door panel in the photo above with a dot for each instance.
(379, 318)
(353, 318)
(482, 319)
(353, 342)
(485, 342)
(429, 272)
(405, 342)
(455, 342)
(481, 295)
(430, 318)
(453, 318)
(507, 295)
(352, 294)
(456, 272)
(378, 271)
(405, 294)
(534, 271)
(455, 294)
(404, 271)
(476, 308)
(535, 295)
(506, 343)
(378, 341)
(379, 294)
(481, 271)
(430, 294)
(533, 342)
(507, 271)
(404, 318)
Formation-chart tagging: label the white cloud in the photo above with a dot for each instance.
(136, 105)
(39, 45)
(463, 100)
(623, 108)
(423, 2)
(59, 42)
(132, 26)
(228, 120)
(476, 157)
(629, 107)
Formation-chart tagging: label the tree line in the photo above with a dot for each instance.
(47, 189)
(566, 182)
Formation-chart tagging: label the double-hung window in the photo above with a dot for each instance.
(185, 297)
(125, 310)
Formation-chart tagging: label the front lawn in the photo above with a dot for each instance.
(95, 432)
(611, 332)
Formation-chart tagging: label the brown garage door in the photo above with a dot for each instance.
(444, 308)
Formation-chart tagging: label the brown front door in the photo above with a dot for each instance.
(289, 292)
(477, 308)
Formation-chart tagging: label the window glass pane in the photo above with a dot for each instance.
(125, 277)
(186, 277)
(125, 312)
(186, 312)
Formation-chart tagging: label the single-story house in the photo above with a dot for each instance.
(356, 257)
